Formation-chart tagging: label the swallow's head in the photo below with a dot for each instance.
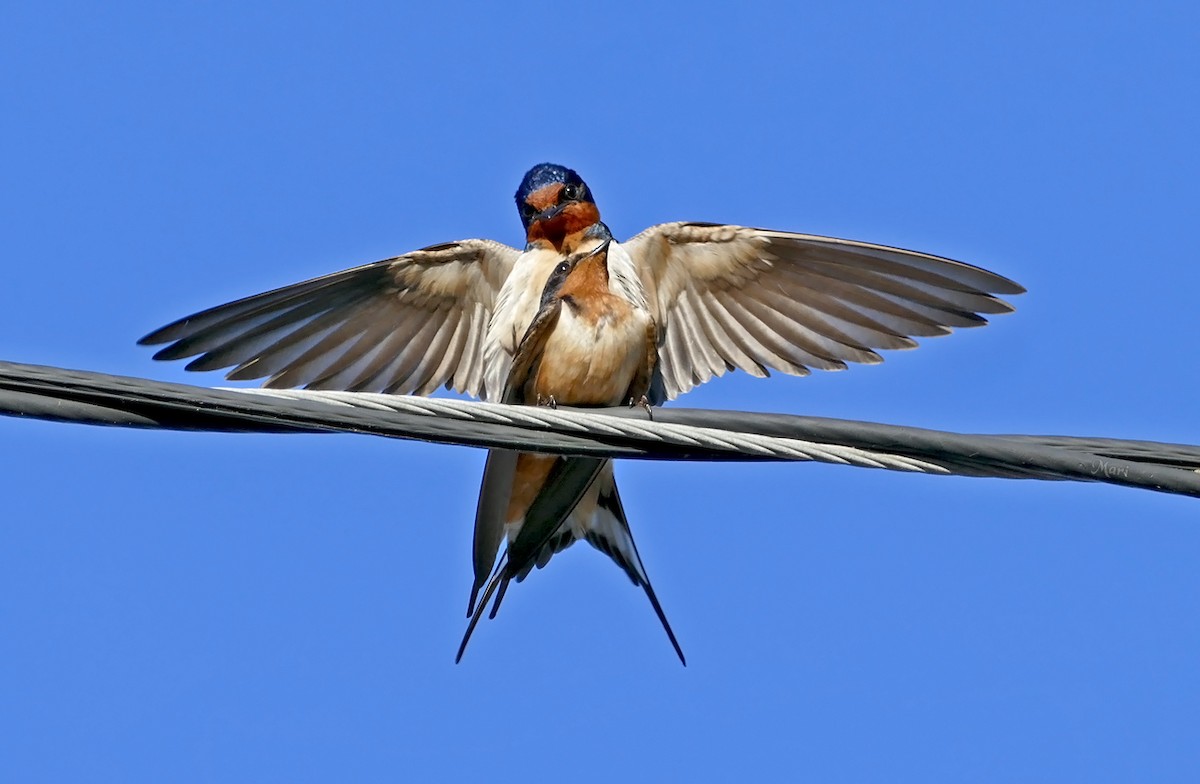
(578, 274)
(555, 203)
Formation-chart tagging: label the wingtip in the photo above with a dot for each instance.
(167, 333)
(1010, 288)
(175, 349)
(202, 363)
(169, 353)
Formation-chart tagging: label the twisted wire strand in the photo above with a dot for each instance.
(673, 434)
(687, 436)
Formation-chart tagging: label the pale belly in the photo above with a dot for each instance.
(592, 363)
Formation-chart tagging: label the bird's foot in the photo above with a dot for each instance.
(644, 402)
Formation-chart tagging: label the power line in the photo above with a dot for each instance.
(672, 434)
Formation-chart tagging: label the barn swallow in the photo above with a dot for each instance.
(590, 343)
(578, 318)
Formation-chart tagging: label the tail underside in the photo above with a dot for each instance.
(580, 501)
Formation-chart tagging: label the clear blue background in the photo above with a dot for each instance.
(190, 607)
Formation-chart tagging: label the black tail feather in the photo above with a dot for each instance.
(540, 538)
(499, 581)
(630, 562)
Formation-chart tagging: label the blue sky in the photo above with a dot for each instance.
(214, 607)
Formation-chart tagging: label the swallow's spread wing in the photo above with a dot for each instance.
(407, 324)
(730, 297)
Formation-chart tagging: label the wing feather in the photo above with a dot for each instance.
(736, 344)
(267, 352)
(408, 324)
(702, 356)
(729, 297)
(376, 376)
(333, 355)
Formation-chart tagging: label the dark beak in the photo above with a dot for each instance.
(548, 214)
(601, 248)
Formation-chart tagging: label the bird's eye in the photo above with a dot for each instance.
(562, 268)
(528, 210)
(570, 192)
